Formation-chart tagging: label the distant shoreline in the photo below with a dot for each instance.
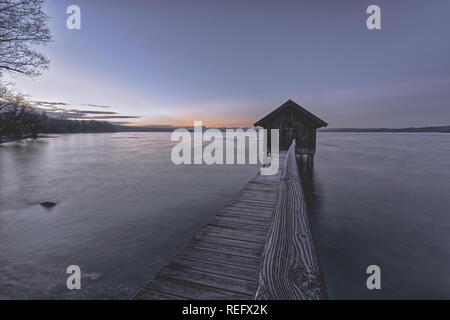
(117, 129)
(435, 129)
(7, 140)
(440, 129)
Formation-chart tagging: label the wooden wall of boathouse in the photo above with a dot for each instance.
(294, 123)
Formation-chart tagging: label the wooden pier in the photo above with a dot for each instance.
(259, 246)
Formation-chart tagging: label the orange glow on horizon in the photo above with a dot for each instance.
(210, 123)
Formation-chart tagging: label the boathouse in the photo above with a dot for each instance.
(294, 122)
(260, 245)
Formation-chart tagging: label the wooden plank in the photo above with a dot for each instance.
(259, 191)
(260, 183)
(240, 226)
(194, 291)
(251, 217)
(230, 234)
(255, 203)
(255, 185)
(230, 242)
(251, 211)
(148, 294)
(241, 220)
(260, 201)
(225, 248)
(260, 187)
(239, 223)
(212, 280)
(217, 268)
(290, 267)
(232, 214)
(248, 211)
(259, 194)
(252, 201)
(255, 212)
(239, 231)
(214, 256)
(249, 208)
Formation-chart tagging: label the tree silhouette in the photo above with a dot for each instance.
(23, 25)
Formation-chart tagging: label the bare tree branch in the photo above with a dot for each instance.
(23, 25)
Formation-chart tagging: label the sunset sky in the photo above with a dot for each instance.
(228, 63)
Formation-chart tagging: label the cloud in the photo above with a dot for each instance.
(95, 106)
(49, 103)
(116, 117)
(93, 112)
(58, 109)
(121, 123)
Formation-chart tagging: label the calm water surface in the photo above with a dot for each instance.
(124, 209)
(383, 199)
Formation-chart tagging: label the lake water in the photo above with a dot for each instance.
(124, 210)
(383, 199)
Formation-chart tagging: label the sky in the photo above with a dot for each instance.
(229, 63)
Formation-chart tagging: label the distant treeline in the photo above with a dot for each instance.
(18, 122)
(144, 129)
(52, 125)
(24, 122)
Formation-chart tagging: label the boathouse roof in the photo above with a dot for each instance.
(319, 122)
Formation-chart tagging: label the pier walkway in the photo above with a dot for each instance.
(238, 254)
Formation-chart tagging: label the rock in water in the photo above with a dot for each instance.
(48, 204)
